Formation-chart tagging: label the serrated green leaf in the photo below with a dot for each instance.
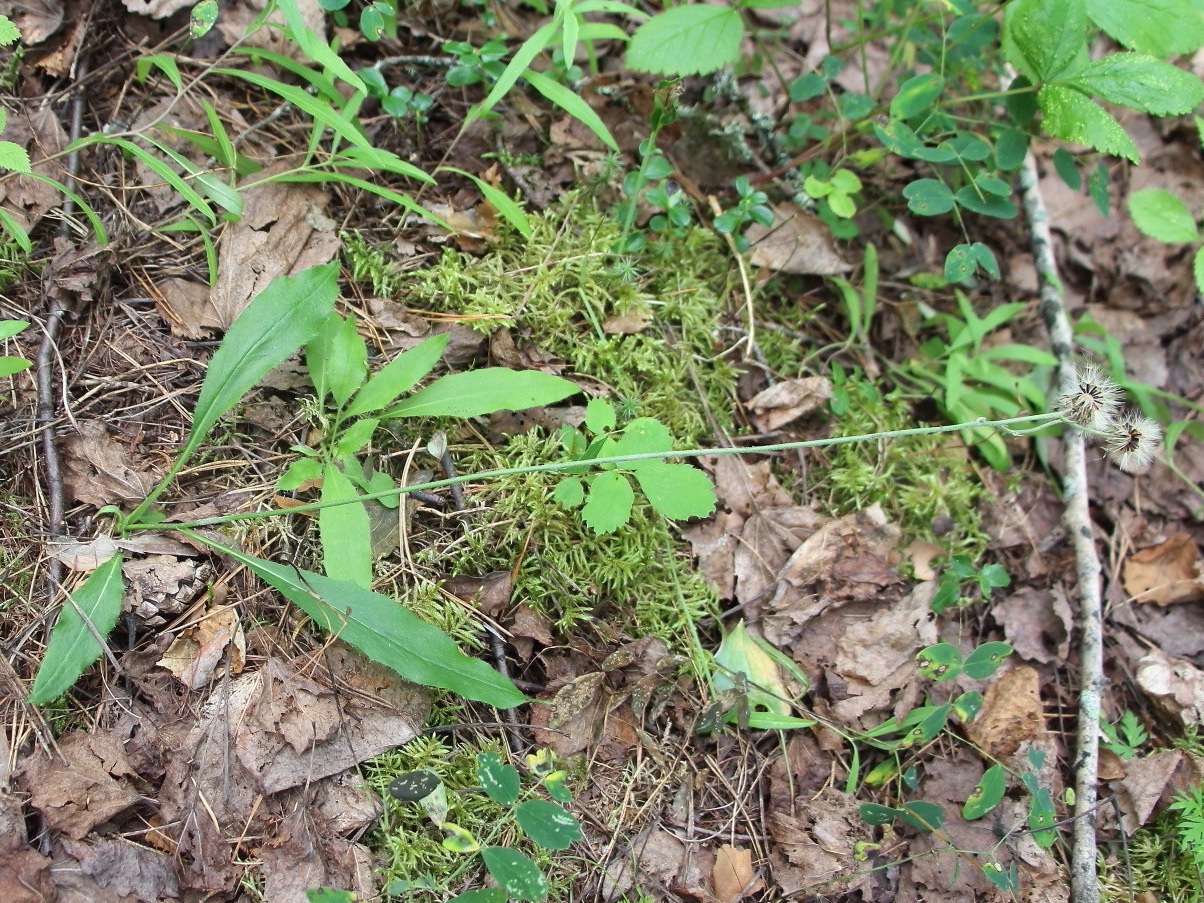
(478, 392)
(515, 873)
(8, 31)
(569, 493)
(1161, 214)
(986, 793)
(499, 780)
(384, 630)
(551, 826)
(608, 505)
(1141, 82)
(984, 660)
(1044, 38)
(14, 157)
(398, 376)
(345, 530)
(678, 491)
(643, 435)
(355, 437)
(73, 645)
(691, 39)
(1072, 116)
(1159, 27)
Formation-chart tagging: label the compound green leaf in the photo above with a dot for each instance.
(498, 779)
(516, 873)
(569, 493)
(608, 506)
(1161, 214)
(1072, 116)
(275, 323)
(1044, 38)
(1141, 82)
(678, 491)
(1005, 878)
(643, 435)
(599, 416)
(328, 895)
(458, 839)
(384, 630)
(986, 793)
(1010, 149)
(398, 376)
(986, 204)
(73, 645)
(985, 258)
(959, 263)
(411, 786)
(1041, 818)
(691, 39)
(345, 531)
(551, 826)
(478, 392)
(967, 706)
(1159, 27)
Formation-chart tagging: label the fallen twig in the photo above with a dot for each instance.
(1084, 888)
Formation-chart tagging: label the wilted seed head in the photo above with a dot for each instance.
(1132, 442)
(1094, 401)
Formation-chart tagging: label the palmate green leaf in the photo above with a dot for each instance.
(1161, 214)
(478, 392)
(515, 873)
(1158, 27)
(571, 103)
(384, 630)
(551, 826)
(276, 322)
(73, 646)
(608, 505)
(337, 359)
(1141, 82)
(1044, 38)
(678, 491)
(344, 530)
(1073, 116)
(692, 39)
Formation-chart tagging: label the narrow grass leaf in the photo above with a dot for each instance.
(315, 48)
(344, 530)
(168, 175)
(511, 211)
(73, 646)
(15, 231)
(318, 80)
(481, 895)
(385, 631)
(478, 392)
(571, 103)
(551, 826)
(515, 68)
(321, 111)
(375, 158)
(276, 322)
(323, 177)
(98, 228)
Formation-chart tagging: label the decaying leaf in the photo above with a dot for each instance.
(733, 875)
(99, 469)
(194, 655)
(1011, 713)
(1174, 685)
(126, 868)
(1144, 785)
(41, 134)
(85, 788)
(789, 400)
(1166, 573)
(797, 242)
(1036, 623)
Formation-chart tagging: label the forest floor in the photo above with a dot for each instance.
(223, 748)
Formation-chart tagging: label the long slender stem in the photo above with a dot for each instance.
(1026, 422)
(1084, 888)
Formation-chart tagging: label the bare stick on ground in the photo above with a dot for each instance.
(1084, 888)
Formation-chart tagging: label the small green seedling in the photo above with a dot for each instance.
(752, 207)
(1124, 738)
(545, 823)
(605, 496)
(10, 364)
(961, 583)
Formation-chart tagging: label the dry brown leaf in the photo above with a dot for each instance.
(1174, 685)
(162, 586)
(634, 321)
(1144, 784)
(1011, 713)
(1037, 623)
(126, 868)
(306, 853)
(656, 856)
(85, 788)
(490, 595)
(789, 400)
(817, 844)
(195, 654)
(98, 468)
(35, 19)
(156, 9)
(921, 554)
(769, 538)
(733, 876)
(24, 873)
(797, 242)
(1166, 573)
(41, 134)
(572, 716)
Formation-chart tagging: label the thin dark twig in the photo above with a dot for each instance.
(46, 399)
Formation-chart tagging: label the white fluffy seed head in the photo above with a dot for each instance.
(1133, 442)
(1094, 401)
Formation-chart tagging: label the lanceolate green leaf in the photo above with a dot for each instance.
(572, 104)
(692, 39)
(73, 646)
(320, 110)
(1141, 82)
(1072, 116)
(515, 68)
(484, 391)
(1162, 214)
(385, 631)
(344, 530)
(315, 48)
(337, 359)
(511, 210)
(397, 376)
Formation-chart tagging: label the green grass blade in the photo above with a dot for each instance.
(98, 228)
(511, 211)
(385, 631)
(73, 646)
(572, 104)
(168, 175)
(321, 111)
(514, 69)
(15, 231)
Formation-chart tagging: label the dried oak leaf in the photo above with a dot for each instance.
(1037, 623)
(126, 868)
(1166, 573)
(1144, 784)
(1175, 686)
(733, 875)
